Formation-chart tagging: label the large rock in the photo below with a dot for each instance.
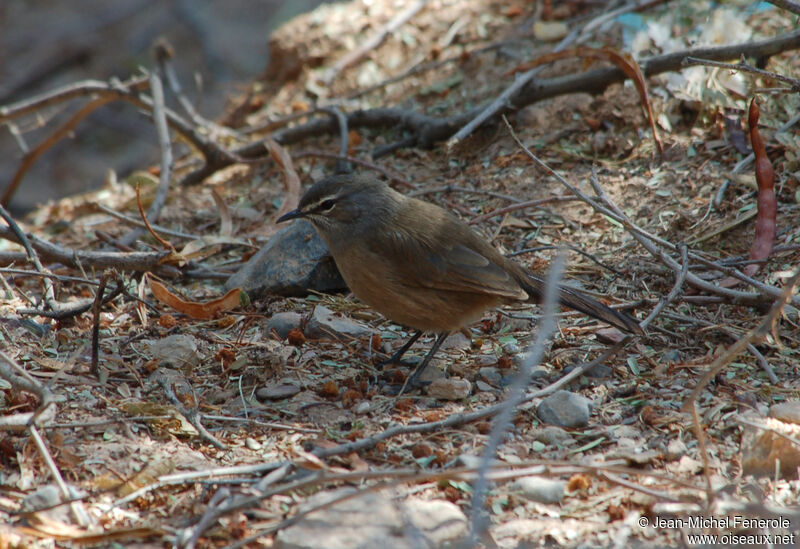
(374, 520)
(294, 261)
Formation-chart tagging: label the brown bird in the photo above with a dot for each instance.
(420, 266)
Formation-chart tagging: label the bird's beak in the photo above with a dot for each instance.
(294, 214)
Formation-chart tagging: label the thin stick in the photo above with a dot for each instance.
(165, 175)
(479, 520)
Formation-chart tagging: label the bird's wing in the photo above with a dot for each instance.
(450, 266)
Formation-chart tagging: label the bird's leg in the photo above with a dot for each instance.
(413, 379)
(395, 358)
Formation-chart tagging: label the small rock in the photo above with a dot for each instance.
(325, 324)
(538, 372)
(252, 444)
(294, 261)
(600, 371)
(676, 449)
(457, 341)
(673, 355)
(450, 388)
(553, 436)
(484, 360)
(432, 372)
(609, 335)
(44, 505)
(634, 457)
(490, 375)
(278, 391)
(565, 409)
(511, 349)
(373, 520)
(519, 360)
(178, 351)
(472, 461)
(283, 323)
(519, 324)
(362, 407)
(483, 387)
(541, 489)
(788, 412)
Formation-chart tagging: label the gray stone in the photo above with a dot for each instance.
(452, 388)
(373, 520)
(676, 449)
(283, 323)
(325, 324)
(553, 436)
(432, 372)
(565, 409)
(541, 489)
(539, 372)
(44, 504)
(457, 341)
(362, 407)
(483, 387)
(600, 371)
(278, 391)
(490, 375)
(484, 360)
(294, 261)
(178, 350)
(511, 348)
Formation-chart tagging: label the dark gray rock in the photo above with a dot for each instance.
(325, 324)
(283, 323)
(294, 261)
(565, 409)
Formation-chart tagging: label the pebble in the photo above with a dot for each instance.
(177, 350)
(362, 407)
(490, 375)
(325, 324)
(283, 323)
(676, 449)
(553, 436)
(483, 386)
(539, 372)
(565, 409)
(541, 489)
(278, 391)
(450, 388)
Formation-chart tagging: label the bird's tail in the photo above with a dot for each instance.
(575, 299)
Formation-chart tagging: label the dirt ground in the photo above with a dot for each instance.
(176, 427)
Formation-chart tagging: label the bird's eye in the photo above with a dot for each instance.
(326, 205)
